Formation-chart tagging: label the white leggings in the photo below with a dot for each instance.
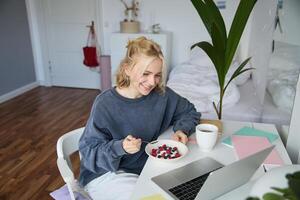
(112, 186)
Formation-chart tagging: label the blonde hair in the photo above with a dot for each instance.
(139, 46)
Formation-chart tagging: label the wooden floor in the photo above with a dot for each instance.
(30, 125)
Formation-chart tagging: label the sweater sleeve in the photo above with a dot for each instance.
(185, 117)
(97, 147)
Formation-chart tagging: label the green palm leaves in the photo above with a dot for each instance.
(223, 47)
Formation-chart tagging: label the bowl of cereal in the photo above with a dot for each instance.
(166, 150)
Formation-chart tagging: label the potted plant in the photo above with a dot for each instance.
(292, 192)
(130, 24)
(223, 47)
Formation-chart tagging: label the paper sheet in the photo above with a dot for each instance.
(248, 131)
(248, 145)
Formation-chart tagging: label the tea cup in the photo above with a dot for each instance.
(206, 136)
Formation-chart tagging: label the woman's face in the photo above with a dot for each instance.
(143, 82)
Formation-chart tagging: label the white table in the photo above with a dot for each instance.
(222, 153)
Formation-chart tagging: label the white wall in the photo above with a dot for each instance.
(38, 25)
(261, 34)
(34, 9)
(176, 16)
(290, 21)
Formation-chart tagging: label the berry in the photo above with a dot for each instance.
(177, 155)
(166, 152)
(154, 151)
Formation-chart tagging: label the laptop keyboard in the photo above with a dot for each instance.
(190, 189)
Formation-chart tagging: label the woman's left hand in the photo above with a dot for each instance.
(180, 136)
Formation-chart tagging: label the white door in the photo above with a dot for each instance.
(66, 36)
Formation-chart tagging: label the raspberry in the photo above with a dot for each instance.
(177, 155)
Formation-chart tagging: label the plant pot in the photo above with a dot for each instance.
(215, 122)
(130, 27)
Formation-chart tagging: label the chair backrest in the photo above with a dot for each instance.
(66, 145)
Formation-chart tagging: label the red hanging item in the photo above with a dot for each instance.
(91, 51)
(90, 57)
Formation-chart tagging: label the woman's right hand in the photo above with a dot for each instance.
(131, 144)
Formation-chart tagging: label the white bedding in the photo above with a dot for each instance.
(200, 87)
(247, 109)
(283, 74)
(271, 113)
(197, 81)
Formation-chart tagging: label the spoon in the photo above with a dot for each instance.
(152, 142)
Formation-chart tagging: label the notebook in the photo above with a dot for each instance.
(248, 131)
(248, 145)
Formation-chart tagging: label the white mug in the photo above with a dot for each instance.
(206, 136)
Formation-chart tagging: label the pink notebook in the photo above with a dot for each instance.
(248, 145)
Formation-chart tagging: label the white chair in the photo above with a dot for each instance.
(66, 145)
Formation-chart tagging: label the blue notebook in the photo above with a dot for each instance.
(248, 131)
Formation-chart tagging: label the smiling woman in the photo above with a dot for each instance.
(144, 61)
(143, 82)
(138, 109)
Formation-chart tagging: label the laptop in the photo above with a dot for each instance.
(207, 178)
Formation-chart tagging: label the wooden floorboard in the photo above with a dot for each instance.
(30, 125)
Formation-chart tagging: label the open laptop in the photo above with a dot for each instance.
(207, 178)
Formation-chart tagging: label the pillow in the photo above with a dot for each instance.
(283, 93)
(200, 58)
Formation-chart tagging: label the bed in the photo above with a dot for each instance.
(196, 80)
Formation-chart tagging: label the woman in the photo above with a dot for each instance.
(138, 109)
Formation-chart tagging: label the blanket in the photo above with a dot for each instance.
(200, 86)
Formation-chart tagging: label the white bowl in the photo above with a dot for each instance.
(182, 149)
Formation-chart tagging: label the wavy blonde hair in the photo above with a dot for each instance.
(135, 47)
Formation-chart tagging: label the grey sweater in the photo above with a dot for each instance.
(113, 117)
